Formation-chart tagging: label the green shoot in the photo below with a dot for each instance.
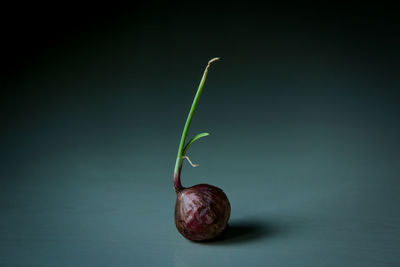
(182, 147)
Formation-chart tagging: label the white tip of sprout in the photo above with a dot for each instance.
(214, 59)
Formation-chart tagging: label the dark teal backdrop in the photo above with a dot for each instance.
(303, 111)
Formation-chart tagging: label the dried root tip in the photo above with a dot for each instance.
(190, 162)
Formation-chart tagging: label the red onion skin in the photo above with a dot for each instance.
(201, 212)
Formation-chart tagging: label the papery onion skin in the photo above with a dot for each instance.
(201, 212)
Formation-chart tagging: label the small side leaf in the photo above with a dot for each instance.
(198, 136)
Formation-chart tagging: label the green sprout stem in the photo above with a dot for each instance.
(182, 147)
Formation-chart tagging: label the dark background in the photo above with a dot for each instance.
(303, 111)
